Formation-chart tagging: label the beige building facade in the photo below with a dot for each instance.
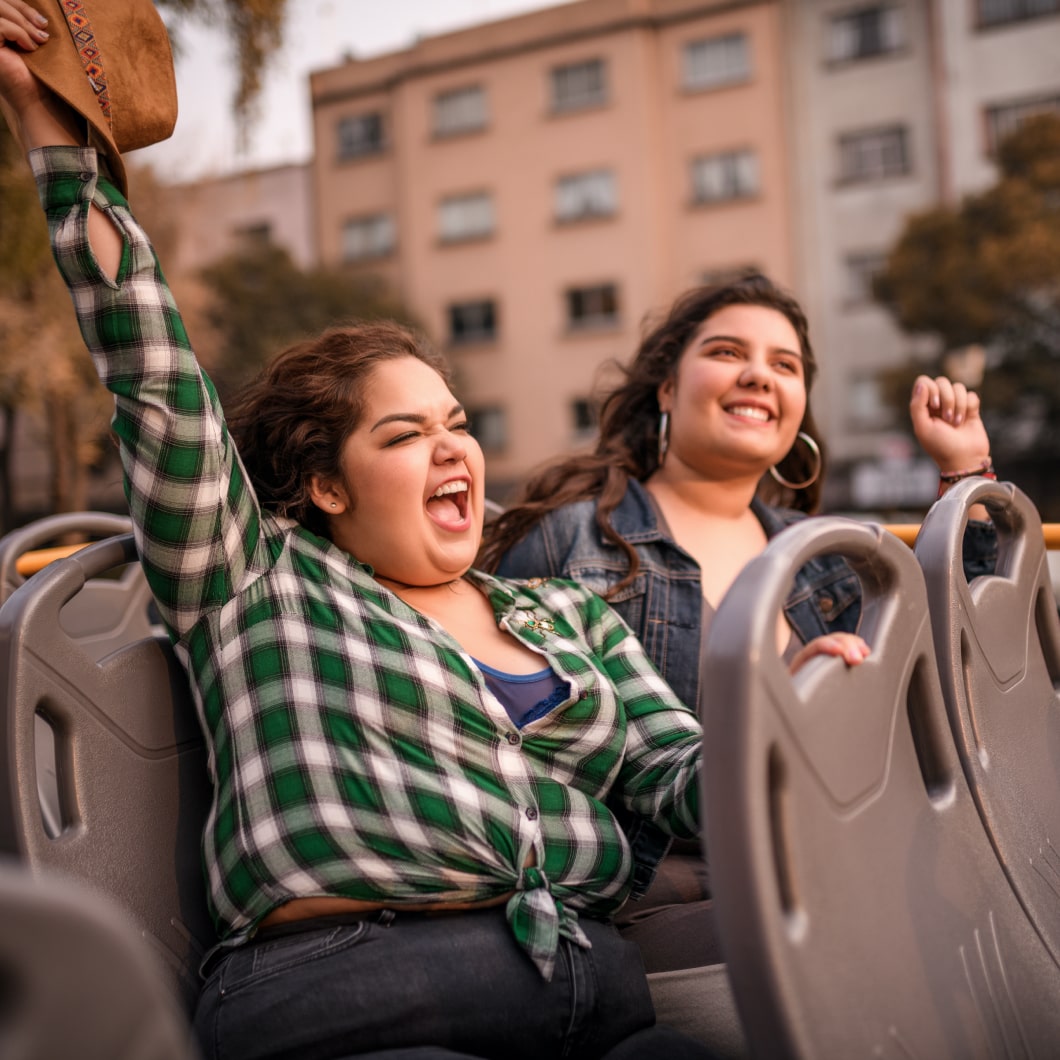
(221, 215)
(532, 188)
(896, 106)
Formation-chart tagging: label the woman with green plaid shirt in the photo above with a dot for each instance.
(410, 846)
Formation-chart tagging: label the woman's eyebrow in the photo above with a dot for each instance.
(412, 417)
(737, 341)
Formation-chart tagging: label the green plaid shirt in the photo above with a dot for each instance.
(355, 749)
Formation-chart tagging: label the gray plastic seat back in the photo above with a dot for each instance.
(862, 909)
(997, 642)
(77, 981)
(132, 785)
(108, 612)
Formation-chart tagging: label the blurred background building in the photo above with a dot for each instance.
(533, 188)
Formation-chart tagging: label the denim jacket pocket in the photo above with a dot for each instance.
(827, 603)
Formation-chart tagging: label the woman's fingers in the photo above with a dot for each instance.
(21, 25)
(847, 646)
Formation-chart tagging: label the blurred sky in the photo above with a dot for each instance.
(319, 33)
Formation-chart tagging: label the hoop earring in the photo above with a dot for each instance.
(664, 436)
(815, 449)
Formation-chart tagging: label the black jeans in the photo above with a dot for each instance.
(449, 986)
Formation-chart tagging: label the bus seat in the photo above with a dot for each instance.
(77, 980)
(861, 907)
(131, 790)
(997, 643)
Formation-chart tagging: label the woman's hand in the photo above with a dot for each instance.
(946, 422)
(36, 117)
(21, 25)
(848, 646)
(21, 29)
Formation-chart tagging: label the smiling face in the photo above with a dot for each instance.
(738, 395)
(411, 500)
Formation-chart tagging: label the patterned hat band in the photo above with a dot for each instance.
(80, 27)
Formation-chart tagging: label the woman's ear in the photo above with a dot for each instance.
(327, 496)
(664, 393)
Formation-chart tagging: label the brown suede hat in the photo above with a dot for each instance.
(111, 61)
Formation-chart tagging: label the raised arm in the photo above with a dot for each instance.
(196, 518)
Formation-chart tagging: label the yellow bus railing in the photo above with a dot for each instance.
(36, 560)
(908, 531)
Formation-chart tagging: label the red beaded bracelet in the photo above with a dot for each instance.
(948, 478)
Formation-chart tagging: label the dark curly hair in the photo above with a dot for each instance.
(628, 442)
(291, 422)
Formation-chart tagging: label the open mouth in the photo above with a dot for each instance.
(448, 505)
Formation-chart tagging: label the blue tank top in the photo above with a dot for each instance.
(526, 697)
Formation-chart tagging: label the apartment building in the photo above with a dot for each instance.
(533, 187)
(896, 106)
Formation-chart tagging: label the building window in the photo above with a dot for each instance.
(1006, 118)
(997, 12)
(874, 154)
(369, 237)
(579, 85)
(725, 176)
(584, 418)
(866, 32)
(464, 217)
(360, 135)
(471, 322)
(717, 61)
(592, 307)
(460, 111)
(860, 270)
(253, 236)
(489, 427)
(586, 195)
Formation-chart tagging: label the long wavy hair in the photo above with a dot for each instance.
(628, 442)
(291, 423)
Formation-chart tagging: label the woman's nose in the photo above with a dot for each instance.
(756, 374)
(450, 447)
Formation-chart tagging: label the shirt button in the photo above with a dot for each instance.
(531, 813)
(514, 739)
(826, 603)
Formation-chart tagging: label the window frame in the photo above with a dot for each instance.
(381, 218)
(605, 319)
(858, 140)
(450, 204)
(725, 78)
(375, 147)
(446, 130)
(580, 186)
(1018, 17)
(473, 336)
(896, 11)
(584, 100)
(730, 164)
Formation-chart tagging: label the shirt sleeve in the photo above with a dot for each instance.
(196, 519)
(659, 777)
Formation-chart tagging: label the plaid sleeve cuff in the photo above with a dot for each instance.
(67, 176)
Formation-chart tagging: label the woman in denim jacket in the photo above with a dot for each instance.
(706, 451)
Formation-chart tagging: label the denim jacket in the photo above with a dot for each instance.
(664, 603)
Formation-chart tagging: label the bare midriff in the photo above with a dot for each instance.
(307, 908)
(327, 905)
